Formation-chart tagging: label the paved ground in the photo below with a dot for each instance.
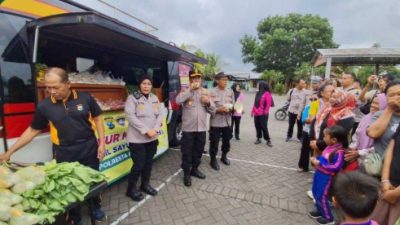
(260, 187)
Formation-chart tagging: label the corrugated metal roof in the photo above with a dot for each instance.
(244, 75)
(358, 56)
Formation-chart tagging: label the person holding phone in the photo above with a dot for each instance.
(196, 103)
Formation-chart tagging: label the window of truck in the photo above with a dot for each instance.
(17, 88)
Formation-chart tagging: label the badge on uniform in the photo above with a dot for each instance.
(141, 107)
(79, 107)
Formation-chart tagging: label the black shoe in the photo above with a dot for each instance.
(196, 173)
(323, 221)
(149, 190)
(258, 141)
(187, 180)
(135, 195)
(99, 215)
(225, 160)
(288, 139)
(315, 214)
(204, 152)
(269, 143)
(214, 164)
(237, 138)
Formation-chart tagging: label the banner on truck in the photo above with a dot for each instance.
(117, 163)
(184, 75)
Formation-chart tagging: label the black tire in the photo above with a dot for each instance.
(176, 134)
(280, 114)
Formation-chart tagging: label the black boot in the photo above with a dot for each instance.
(258, 141)
(225, 159)
(237, 137)
(214, 163)
(196, 173)
(187, 180)
(145, 187)
(133, 193)
(148, 190)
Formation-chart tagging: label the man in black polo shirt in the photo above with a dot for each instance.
(74, 117)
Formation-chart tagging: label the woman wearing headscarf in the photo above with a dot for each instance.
(362, 144)
(238, 109)
(143, 112)
(339, 112)
(260, 111)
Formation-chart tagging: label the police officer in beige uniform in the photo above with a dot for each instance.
(221, 120)
(196, 104)
(144, 115)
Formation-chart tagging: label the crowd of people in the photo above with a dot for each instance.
(345, 129)
(349, 135)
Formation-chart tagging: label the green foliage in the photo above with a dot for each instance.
(283, 43)
(272, 76)
(279, 88)
(208, 70)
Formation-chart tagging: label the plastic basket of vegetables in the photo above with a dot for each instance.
(37, 194)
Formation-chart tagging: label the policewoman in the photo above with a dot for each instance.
(143, 112)
(74, 117)
(196, 103)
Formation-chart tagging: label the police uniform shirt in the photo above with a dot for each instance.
(143, 114)
(194, 113)
(221, 98)
(70, 121)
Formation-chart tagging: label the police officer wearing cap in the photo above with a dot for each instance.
(221, 120)
(74, 117)
(196, 103)
(144, 115)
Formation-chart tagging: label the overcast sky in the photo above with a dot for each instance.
(218, 25)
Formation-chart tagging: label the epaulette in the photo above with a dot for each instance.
(137, 94)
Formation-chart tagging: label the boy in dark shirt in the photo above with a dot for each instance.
(356, 194)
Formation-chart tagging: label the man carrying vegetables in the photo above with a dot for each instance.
(74, 117)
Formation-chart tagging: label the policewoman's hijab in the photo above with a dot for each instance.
(262, 88)
(143, 78)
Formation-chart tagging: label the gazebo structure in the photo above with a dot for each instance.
(355, 56)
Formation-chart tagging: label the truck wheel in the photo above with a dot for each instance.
(176, 134)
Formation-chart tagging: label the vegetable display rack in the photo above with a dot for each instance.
(99, 91)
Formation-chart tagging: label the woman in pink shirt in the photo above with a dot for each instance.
(260, 111)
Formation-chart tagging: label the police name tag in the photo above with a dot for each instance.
(79, 107)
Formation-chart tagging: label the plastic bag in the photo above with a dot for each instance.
(373, 164)
(4, 212)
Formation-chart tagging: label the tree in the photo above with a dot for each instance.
(304, 71)
(283, 43)
(211, 68)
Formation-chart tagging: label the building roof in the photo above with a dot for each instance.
(244, 75)
(357, 56)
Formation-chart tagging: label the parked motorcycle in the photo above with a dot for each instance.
(281, 113)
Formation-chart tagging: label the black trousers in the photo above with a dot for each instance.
(192, 147)
(354, 129)
(261, 124)
(292, 121)
(215, 134)
(142, 155)
(84, 152)
(236, 125)
(305, 152)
